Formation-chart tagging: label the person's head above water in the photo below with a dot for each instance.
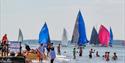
(52, 48)
(91, 49)
(41, 44)
(74, 48)
(114, 53)
(51, 43)
(59, 44)
(27, 47)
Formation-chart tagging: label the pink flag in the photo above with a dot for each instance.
(104, 36)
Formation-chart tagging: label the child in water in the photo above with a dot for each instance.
(52, 55)
(80, 51)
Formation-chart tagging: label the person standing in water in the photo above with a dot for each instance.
(58, 50)
(114, 56)
(80, 51)
(41, 51)
(52, 46)
(52, 55)
(27, 47)
(106, 56)
(107, 59)
(48, 48)
(90, 53)
(4, 45)
(74, 53)
(97, 55)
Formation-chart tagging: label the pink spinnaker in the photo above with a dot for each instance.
(104, 36)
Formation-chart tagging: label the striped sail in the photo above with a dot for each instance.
(79, 33)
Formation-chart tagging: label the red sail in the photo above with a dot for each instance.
(104, 36)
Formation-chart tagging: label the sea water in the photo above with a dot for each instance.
(67, 53)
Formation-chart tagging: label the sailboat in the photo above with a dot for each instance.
(44, 37)
(15, 46)
(104, 36)
(64, 38)
(75, 35)
(94, 37)
(79, 33)
(111, 37)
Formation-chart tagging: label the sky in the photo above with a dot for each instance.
(30, 15)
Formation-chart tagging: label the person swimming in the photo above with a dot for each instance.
(58, 50)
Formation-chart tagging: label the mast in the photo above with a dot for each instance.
(20, 39)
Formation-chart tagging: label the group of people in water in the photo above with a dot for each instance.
(43, 52)
(40, 51)
(50, 52)
(106, 56)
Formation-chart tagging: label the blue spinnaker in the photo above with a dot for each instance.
(94, 37)
(44, 35)
(81, 29)
(111, 37)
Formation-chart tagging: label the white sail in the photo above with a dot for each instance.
(20, 36)
(15, 46)
(64, 38)
(75, 35)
